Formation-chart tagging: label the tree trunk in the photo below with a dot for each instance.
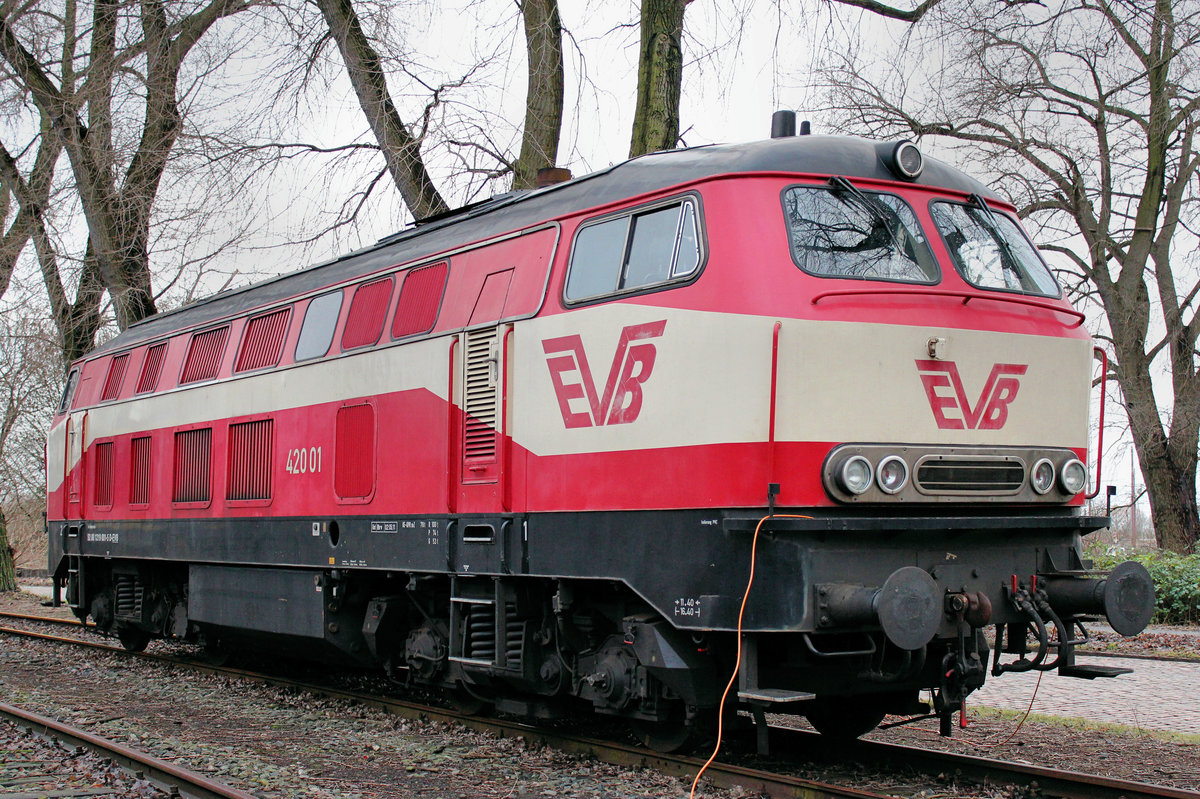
(401, 151)
(544, 95)
(660, 77)
(8, 568)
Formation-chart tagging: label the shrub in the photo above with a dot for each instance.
(1176, 581)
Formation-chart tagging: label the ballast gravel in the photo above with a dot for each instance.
(282, 743)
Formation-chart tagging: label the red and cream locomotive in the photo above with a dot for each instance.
(523, 452)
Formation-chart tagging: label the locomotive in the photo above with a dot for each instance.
(530, 452)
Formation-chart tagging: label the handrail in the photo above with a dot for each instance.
(1103, 401)
(966, 297)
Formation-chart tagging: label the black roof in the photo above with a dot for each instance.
(819, 155)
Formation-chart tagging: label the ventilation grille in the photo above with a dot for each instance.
(480, 404)
(420, 296)
(128, 589)
(250, 459)
(354, 452)
(514, 637)
(204, 355)
(152, 368)
(479, 642)
(139, 471)
(104, 474)
(116, 375)
(193, 465)
(262, 343)
(367, 311)
(951, 475)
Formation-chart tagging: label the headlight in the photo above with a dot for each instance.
(1041, 477)
(892, 474)
(855, 474)
(1073, 477)
(907, 161)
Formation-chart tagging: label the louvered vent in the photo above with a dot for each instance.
(250, 459)
(481, 397)
(204, 355)
(152, 368)
(262, 344)
(139, 471)
(480, 640)
(514, 636)
(128, 589)
(116, 375)
(364, 323)
(193, 465)
(104, 474)
(354, 452)
(420, 296)
(965, 475)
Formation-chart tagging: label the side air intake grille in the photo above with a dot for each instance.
(946, 474)
(481, 399)
(129, 596)
(480, 642)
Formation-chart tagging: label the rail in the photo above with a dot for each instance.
(1067, 784)
(187, 783)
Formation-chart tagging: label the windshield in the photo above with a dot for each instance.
(843, 232)
(990, 250)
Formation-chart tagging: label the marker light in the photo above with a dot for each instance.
(891, 474)
(1073, 477)
(1041, 477)
(855, 474)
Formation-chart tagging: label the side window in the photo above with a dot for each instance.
(320, 319)
(69, 391)
(637, 250)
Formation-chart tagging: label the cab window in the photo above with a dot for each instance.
(634, 251)
(844, 232)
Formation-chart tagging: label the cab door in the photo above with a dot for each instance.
(485, 407)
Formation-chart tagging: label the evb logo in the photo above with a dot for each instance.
(948, 399)
(621, 401)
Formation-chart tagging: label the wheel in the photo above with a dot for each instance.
(217, 652)
(134, 639)
(845, 718)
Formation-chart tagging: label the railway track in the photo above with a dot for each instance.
(806, 745)
(168, 777)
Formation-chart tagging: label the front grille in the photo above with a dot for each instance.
(963, 475)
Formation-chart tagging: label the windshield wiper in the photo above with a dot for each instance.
(997, 234)
(871, 206)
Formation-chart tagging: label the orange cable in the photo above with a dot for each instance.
(1021, 723)
(737, 664)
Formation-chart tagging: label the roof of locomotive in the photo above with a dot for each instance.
(810, 155)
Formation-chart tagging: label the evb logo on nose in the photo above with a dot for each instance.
(948, 399)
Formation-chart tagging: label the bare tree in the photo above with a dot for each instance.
(544, 95)
(1087, 114)
(660, 77)
(83, 86)
(30, 378)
